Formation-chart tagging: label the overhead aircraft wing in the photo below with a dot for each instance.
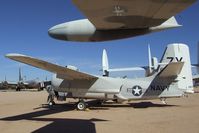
(171, 70)
(130, 14)
(62, 72)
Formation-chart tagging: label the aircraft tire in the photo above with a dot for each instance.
(81, 106)
(51, 103)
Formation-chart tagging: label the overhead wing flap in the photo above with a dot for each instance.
(68, 73)
(130, 14)
(171, 70)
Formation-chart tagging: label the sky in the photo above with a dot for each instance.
(24, 28)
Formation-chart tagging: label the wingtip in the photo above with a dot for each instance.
(13, 55)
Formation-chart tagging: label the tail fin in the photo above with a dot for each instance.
(198, 58)
(105, 64)
(153, 64)
(149, 59)
(180, 53)
(20, 75)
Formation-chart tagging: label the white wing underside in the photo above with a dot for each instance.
(130, 14)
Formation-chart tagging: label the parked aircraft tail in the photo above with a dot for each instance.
(197, 65)
(106, 69)
(20, 75)
(150, 59)
(105, 64)
(179, 53)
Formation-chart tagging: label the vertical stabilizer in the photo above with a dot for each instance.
(198, 59)
(149, 59)
(180, 53)
(105, 64)
(20, 75)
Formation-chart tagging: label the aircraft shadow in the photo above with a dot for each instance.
(46, 110)
(67, 125)
(60, 125)
(140, 105)
(149, 105)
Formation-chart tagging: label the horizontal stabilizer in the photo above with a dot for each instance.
(127, 69)
(59, 70)
(195, 77)
(172, 70)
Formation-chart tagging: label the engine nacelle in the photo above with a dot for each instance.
(84, 31)
(72, 68)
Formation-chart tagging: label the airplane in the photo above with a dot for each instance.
(118, 19)
(21, 84)
(196, 66)
(153, 65)
(173, 78)
(149, 70)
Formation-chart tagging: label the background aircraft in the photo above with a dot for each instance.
(22, 84)
(34, 18)
(152, 67)
(110, 19)
(173, 78)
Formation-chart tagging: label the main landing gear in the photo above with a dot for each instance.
(51, 103)
(50, 100)
(81, 105)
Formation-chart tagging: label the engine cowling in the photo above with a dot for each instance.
(72, 67)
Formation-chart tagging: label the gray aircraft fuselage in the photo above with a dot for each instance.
(117, 88)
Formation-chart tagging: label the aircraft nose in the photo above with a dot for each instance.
(58, 32)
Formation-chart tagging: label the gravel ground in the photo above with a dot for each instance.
(24, 112)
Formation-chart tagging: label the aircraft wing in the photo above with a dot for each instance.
(195, 77)
(171, 70)
(11, 83)
(130, 14)
(63, 72)
(126, 69)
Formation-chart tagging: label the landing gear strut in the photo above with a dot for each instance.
(50, 100)
(51, 96)
(81, 105)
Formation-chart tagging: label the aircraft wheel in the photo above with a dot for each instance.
(81, 106)
(51, 103)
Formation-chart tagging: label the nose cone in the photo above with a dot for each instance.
(58, 32)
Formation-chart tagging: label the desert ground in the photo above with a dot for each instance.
(25, 112)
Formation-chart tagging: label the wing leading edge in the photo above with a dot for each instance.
(130, 14)
(59, 70)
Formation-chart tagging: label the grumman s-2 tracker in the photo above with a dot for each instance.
(172, 77)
